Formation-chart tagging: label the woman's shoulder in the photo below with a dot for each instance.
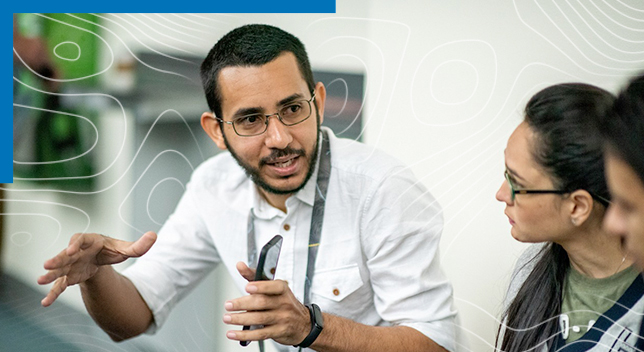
(522, 269)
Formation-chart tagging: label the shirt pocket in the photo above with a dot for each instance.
(337, 283)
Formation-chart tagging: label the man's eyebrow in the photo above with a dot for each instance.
(247, 111)
(290, 98)
(256, 110)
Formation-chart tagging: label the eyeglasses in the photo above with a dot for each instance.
(255, 124)
(516, 191)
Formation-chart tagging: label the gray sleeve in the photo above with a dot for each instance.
(522, 269)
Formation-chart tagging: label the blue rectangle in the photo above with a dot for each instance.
(254, 6)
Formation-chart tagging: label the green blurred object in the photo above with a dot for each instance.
(60, 146)
(50, 139)
(73, 44)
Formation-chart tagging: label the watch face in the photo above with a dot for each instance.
(317, 315)
(317, 324)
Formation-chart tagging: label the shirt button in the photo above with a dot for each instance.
(336, 292)
(287, 227)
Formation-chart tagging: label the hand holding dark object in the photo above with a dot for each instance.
(81, 260)
(273, 305)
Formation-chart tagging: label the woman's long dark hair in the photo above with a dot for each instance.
(562, 117)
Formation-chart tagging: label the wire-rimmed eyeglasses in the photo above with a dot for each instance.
(289, 114)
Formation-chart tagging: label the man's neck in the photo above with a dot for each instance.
(276, 200)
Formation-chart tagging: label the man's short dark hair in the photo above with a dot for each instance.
(623, 130)
(250, 45)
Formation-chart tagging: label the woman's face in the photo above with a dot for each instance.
(534, 217)
(625, 216)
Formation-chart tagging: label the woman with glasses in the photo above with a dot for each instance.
(563, 292)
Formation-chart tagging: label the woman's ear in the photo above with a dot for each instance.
(581, 207)
(211, 126)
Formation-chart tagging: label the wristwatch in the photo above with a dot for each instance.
(317, 324)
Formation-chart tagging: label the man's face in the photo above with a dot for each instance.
(625, 216)
(280, 160)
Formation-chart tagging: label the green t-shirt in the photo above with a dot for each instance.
(585, 299)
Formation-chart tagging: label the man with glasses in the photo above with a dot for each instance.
(359, 266)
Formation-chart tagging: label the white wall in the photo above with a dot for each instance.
(445, 81)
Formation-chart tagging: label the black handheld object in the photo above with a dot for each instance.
(266, 266)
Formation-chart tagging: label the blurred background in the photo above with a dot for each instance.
(107, 133)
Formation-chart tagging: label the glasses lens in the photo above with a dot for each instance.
(507, 178)
(295, 112)
(250, 125)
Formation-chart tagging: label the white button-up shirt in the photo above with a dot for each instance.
(377, 263)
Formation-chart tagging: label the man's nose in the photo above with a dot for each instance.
(277, 134)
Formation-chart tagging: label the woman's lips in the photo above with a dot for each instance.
(509, 218)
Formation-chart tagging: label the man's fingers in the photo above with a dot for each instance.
(251, 318)
(268, 287)
(264, 333)
(246, 272)
(82, 241)
(252, 302)
(53, 275)
(59, 287)
(141, 246)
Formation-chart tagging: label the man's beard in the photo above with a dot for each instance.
(254, 174)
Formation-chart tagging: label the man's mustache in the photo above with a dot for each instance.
(280, 153)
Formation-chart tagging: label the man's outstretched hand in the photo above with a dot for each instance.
(81, 260)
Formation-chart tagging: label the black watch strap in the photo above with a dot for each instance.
(317, 324)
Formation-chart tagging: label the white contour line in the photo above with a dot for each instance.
(491, 122)
(600, 52)
(476, 86)
(147, 203)
(60, 227)
(178, 24)
(31, 237)
(64, 58)
(564, 53)
(396, 72)
(157, 15)
(489, 98)
(144, 173)
(70, 79)
(609, 30)
(346, 94)
(53, 203)
(624, 14)
(383, 70)
(154, 30)
(80, 94)
(136, 57)
(365, 93)
(63, 160)
(616, 22)
(117, 23)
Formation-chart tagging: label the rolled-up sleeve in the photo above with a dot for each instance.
(182, 256)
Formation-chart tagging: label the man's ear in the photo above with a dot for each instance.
(320, 99)
(581, 207)
(210, 124)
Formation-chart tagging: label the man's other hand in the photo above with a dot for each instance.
(86, 252)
